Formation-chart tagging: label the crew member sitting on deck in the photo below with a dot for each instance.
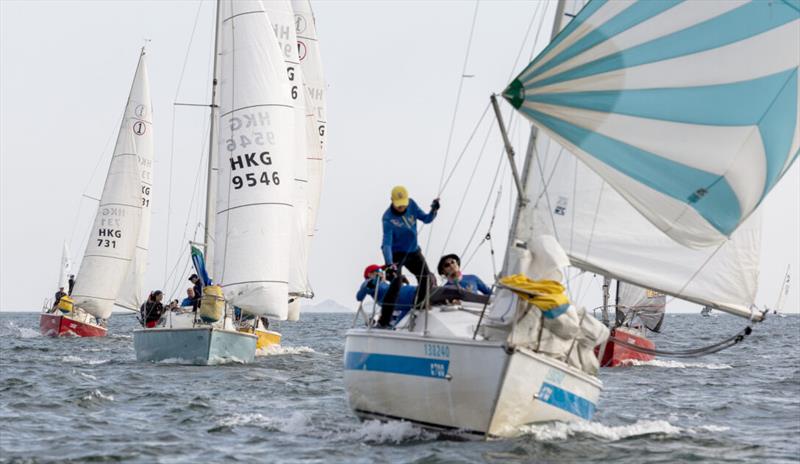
(450, 267)
(59, 294)
(399, 245)
(151, 310)
(396, 299)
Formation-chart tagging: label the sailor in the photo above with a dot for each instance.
(450, 267)
(396, 299)
(190, 297)
(151, 310)
(59, 294)
(399, 246)
(198, 291)
(71, 282)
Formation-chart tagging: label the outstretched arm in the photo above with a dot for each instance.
(386, 244)
(425, 218)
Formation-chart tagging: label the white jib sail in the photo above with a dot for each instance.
(603, 233)
(253, 232)
(65, 269)
(282, 18)
(130, 294)
(112, 242)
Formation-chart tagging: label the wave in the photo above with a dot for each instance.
(278, 350)
(670, 364)
(374, 431)
(97, 395)
(78, 360)
(296, 423)
(20, 332)
(560, 431)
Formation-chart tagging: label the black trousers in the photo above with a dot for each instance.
(415, 263)
(389, 301)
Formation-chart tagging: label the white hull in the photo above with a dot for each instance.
(472, 386)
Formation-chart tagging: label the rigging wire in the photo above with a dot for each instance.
(467, 188)
(500, 165)
(172, 138)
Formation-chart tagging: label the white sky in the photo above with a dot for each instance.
(393, 70)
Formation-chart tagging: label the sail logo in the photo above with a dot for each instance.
(561, 206)
(300, 23)
(302, 50)
(139, 111)
(139, 128)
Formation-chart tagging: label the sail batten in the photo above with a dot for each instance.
(641, 91)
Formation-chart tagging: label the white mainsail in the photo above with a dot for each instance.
(130, 295)
(281, 16)
(65, 269)
(256, 163)
(689, 110)
(115, 232)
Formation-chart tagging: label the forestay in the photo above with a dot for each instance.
(130, 295)
(688, 109)
(112, 241)
(603, 233)
(646, 305)
(256, 164)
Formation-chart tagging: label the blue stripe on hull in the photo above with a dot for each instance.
(393, 364)
(562, 399)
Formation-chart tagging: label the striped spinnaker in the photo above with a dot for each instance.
(689, 109)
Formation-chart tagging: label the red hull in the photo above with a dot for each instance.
(57, 325)
(616, 355)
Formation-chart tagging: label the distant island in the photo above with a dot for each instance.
(328, 306)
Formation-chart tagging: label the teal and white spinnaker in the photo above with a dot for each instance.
(689, 110)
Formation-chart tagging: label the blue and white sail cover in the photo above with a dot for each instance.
(688, 109)
(255, 214)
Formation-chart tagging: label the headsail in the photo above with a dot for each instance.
(688, 109)
(256, 163)
(112, 242)
(130, 295)
(783, 292)
(65, 269)
(646, 305)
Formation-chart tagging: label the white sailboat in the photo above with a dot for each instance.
(782, 293)
(689, 111)
(250, 210)
(117, 225)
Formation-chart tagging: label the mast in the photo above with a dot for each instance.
(526, 166)
(211, 181)
(606, 284)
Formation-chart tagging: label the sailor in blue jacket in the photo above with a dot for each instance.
(450, 267)
(395, 299)
(399, 246)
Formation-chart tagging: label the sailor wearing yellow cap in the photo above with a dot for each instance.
(399, 246)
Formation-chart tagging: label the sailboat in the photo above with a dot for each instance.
(637, 311)
(706, 311)
(251, 219)
(112, 245)
(688, 111)
(784, 291)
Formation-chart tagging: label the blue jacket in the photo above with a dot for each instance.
(405, 298)
(400, 230)
(470, 283)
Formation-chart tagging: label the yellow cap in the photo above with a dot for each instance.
(399, 196)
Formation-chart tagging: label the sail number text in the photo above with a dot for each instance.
(108, 242)
(252, 179)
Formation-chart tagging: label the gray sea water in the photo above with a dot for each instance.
(88, 400)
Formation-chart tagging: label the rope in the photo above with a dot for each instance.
(500, 165)
(691, 353)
